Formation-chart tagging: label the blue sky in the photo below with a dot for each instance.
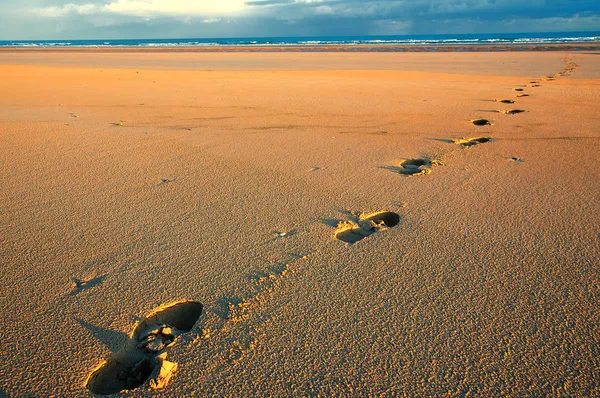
(112, 19)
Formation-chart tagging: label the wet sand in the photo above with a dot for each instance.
(347, 227)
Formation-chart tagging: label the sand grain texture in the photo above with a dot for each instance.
(134, 180)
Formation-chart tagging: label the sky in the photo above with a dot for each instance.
(122, 19)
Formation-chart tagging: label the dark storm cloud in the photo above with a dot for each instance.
(108, 19)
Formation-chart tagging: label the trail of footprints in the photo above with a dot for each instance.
(143, 361)
(417, 167)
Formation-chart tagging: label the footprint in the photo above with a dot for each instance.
(144, 357)
(506, 101)
(481, 122)
(534, 85)
(366, 225)
(518, 89)
(522, 95)
(415, 167)
(469, 142)
(511, 111)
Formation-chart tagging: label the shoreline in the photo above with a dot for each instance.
(582, 46)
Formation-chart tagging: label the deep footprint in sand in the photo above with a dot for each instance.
(518, 89)
(144, 358)
(522, 95)
(510, 111)
(469, 142)
(415, 167)
(481, 122)
(506, 101)
(366, 225)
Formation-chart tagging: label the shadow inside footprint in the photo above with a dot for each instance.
(522, 95)
(413, 167)
(352, 232)
(518, 89)
(481, 122)
(144, 355)
(506, 101)
(469, 142)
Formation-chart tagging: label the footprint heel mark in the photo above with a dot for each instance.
(481, 122)
(469, 142)
(367, 224)
(511, 111)
(144, 357)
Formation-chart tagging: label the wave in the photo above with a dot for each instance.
(316, 41)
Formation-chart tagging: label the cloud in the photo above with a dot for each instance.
(61, 11)
(73, 19)
(147, 8)
(153, 8)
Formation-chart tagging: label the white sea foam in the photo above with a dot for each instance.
(309, 41)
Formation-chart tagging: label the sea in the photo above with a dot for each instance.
(471, 39)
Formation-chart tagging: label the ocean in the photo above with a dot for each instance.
(471, 39)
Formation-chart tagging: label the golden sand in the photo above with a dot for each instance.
(131, 180)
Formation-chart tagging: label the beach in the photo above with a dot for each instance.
(353, 224)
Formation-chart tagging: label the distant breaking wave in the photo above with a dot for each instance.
(517, 38)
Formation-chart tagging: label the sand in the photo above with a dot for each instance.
(254, 185)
